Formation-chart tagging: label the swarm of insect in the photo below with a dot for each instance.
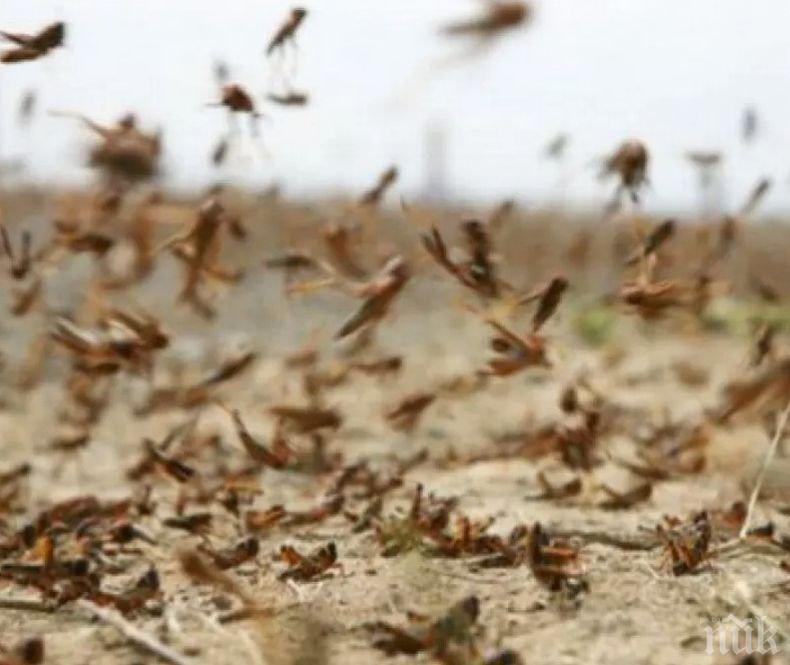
(32, 47)
(304, 452)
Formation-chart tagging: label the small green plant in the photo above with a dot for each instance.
(399, 535)
(743, 318)
(595, 323)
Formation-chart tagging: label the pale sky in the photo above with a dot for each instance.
(675, 73)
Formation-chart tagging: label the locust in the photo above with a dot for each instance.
(287, 31)
(31, 47)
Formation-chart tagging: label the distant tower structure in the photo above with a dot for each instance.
(435, 156)
(709, 180)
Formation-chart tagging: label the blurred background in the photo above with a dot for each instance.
(386, 88)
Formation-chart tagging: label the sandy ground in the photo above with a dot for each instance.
(634, 609)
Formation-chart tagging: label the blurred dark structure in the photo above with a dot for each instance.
(708, 166)
(435, 155)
